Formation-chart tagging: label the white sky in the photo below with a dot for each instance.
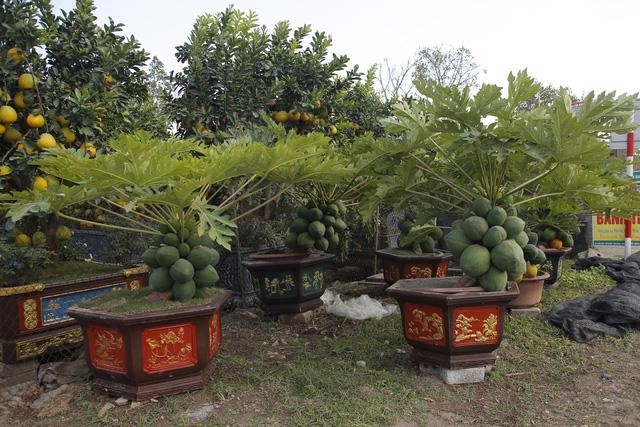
(582, 44)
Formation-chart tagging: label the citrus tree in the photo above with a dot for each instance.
(64, 81)
(234, 69)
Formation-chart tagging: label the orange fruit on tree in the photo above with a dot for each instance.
(40, 183)
(92, 152)
(305, 117)
(15, 54)
(5, 170)
(12, 135)
(46, 141)
(26, 81)
(294, 116)
(556, 244)
(22, 240)
(64, 122)
(35, 121)
(280, 116)
(333, 130)
(8, 114)
(18, 100)
(3, 129)
(69, 135)
(109, 80)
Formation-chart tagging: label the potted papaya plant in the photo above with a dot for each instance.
(160, 340)
(482, 156)
(416, 255)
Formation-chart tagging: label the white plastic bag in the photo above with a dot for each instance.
(360, 308)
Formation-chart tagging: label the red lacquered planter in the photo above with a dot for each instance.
(404, 264)
(452, 327)
(145, 355)
(34, 318)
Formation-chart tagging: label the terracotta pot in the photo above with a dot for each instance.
(34, 318)
(145, 355)
(555, 257)
(530, 291)
(405, 264)
(450, 326)
(288, 282)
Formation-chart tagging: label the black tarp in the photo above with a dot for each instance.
(615, 312)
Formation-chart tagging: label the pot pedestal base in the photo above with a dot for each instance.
(148, 391)
(291, 307)
(453, 361)
(456, 376)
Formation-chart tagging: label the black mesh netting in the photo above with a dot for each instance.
(615, 312)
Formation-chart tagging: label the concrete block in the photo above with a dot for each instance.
(462, 376)
(296, 318)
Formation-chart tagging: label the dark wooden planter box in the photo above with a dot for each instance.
(448, 326)
(556, 258)
(34, 318)
(145, 355)
(404, 264)
(289, 283)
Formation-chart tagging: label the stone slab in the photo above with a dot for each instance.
(534, 312)
(456, 376)
(18, 373)
(303, 318)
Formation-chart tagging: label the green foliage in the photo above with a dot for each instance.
(452, 147)
(15, 261)
(235, 69)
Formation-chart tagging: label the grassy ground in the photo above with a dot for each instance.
(270, 374)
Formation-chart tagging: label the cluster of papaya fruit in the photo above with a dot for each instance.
(555, 238)
(488, 243)
(317, 227)
(183, 262)
(533, 255)
(427, 243)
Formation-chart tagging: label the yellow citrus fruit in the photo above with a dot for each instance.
(316, 121)
(68, 135)
(12, 135)
(280, 116)
(3, 129)
(26, 81)
(22, 240)
(556, 244)
(108, 79)
(305, 117)
(29, 150)
(18, 100)
(20, 146)
(92, 152)
(294, 116)
(40, 183)
(5, 170)
(64, 122)
(333, 130)
(15, 54)
(63, 233)
(85, 146)
(39, 238)
(36, 121)
(46, 141)
(200, 127)
(8, 114)
(532, 270)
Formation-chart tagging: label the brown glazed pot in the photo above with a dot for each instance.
(145, 355)
(556, 258)
(449, 326)
(34, 318)
(405, 264)
(530, 291)
(288, 282)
